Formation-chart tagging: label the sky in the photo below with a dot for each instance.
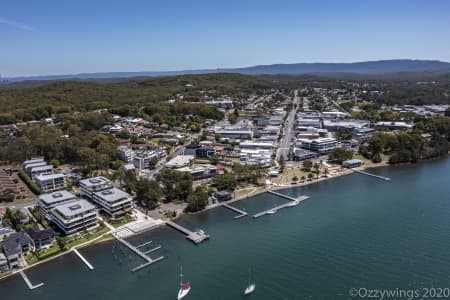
(48, 37)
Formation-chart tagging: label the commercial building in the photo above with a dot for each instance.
(74, 217)
(27, 167)
(180, 161)
(394, 125)
(200, 171)
(113, 202)
(304, 124)
(51, 182)
(303, 154)
(255, 145)
(90, 186)
(51, 200)
(352, 163)
(320, 145)
(335, 125)
(235, 133)
(334, 115)
(205, 152)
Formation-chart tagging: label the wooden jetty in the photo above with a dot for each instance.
(28, 282)
(195, 236)
(372, 175)
(83, 259)
(144, 256)
(294, 202)
(240, 212)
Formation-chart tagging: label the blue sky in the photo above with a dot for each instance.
(65, 37)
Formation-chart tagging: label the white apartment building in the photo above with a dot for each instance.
(51, 182)
(74, 217)
(51, 200)
(113, 202)
(90, 186)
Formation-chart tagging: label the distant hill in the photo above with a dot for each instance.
(368, 67)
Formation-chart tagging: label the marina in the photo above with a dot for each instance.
(240, 212)
(143, 255)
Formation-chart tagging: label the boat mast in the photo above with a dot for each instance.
(249, 274)
(181, 275)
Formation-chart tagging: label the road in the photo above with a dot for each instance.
(288, 132)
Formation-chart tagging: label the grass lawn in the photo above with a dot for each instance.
(92, 235)
(122, 221)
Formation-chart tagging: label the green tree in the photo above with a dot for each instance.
(197, 200)
(148, 193)
(225, 181)
(307, 165)
(340, 154)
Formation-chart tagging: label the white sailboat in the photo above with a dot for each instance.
(185, 287)
(250, 286)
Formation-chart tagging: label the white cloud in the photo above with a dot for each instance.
(17, 25)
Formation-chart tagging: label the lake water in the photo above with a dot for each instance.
(355, 232)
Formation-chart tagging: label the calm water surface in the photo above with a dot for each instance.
(355, 231)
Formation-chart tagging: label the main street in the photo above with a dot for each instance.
(288, 132)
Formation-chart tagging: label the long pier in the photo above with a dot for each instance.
(144, 256)
(28, 282)
(240, 212)
(294, 202)
(196, 237)
(372, 175)
(282, 195)
(83, 259)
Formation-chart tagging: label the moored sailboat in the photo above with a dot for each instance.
(185, 287)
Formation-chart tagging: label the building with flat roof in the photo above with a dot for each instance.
(125, 154)
(40, 170)
(394, 125)
(51, 182)
(180, 161)
(352, 163)
(335, 125)
(33, 161)
(92, 185)
(50, 200)
(114, 202)
(320, 145)
(235, 133)
(74, 217)
(255, 145)
(303, 124)
(27, 167)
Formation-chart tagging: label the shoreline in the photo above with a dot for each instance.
(257, 191)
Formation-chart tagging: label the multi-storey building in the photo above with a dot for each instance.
(92, 185)
(113, 202)
(51, 200)
(51, 182)
(74, 217)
